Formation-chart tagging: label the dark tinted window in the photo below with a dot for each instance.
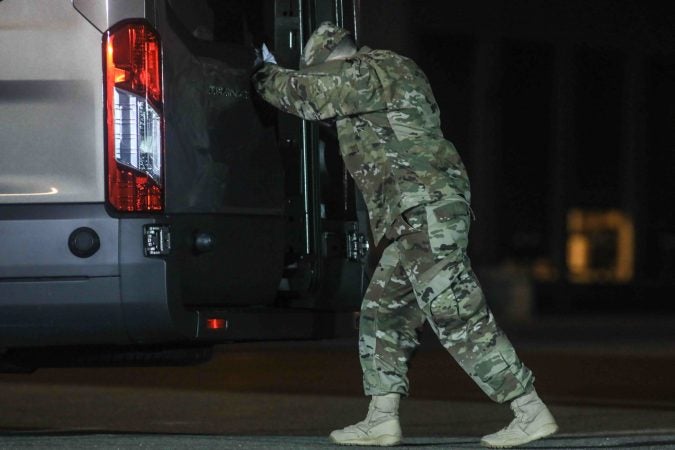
(227, 21)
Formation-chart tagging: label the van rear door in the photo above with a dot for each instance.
(267, 190)
(224, 175)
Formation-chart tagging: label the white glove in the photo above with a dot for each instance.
(267, 56)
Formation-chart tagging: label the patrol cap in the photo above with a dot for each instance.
(321, 43)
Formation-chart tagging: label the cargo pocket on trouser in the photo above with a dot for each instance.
(448, 228)
(440, 257)
(448, 280)
(409, 221)
(455, 300)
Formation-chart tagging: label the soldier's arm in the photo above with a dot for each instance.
(334, 89)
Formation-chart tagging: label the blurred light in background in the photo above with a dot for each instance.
(600, 246)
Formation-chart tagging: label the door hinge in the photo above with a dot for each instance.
(357, 245)
(156, 240)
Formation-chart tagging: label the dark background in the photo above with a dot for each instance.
(554, 106)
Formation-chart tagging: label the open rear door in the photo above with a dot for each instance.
(224, 172)
(262, 209)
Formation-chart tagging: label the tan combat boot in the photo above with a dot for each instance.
(380, 427)
(533, 421)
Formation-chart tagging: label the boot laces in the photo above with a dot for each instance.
(519, 413)
(374, 416)
(522, 419)
(517, 420)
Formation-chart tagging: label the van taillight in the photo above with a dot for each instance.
(132, 64)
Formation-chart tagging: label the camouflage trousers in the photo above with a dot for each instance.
(425, 275)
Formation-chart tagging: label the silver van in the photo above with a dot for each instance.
(150, 205)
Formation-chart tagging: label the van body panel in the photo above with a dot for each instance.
(151, 301)
(224, 174)
(104, 14)
(35, 241)
(243, 266)
(51, 104)
(64, 311)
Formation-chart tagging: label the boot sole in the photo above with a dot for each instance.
(545, 431)
(386, 440)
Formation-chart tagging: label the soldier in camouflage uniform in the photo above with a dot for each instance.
(417, 193)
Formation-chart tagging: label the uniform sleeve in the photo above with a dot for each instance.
(326, 91)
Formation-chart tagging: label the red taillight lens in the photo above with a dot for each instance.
(132, 62)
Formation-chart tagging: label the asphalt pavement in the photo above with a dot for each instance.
(604, 393)
(163, 442)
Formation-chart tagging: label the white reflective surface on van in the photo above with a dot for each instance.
(19, 187)
(51, 104)
(137, 134)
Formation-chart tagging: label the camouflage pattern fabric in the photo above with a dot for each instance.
(425, 275)
(417, 193)
(388, 126)
(321, 43)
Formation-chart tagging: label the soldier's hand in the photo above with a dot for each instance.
(267, 56)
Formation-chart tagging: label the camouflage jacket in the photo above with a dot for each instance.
(388, 127)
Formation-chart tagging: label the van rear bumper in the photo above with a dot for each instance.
(60, 311)
(118, 296)
(49, 296)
